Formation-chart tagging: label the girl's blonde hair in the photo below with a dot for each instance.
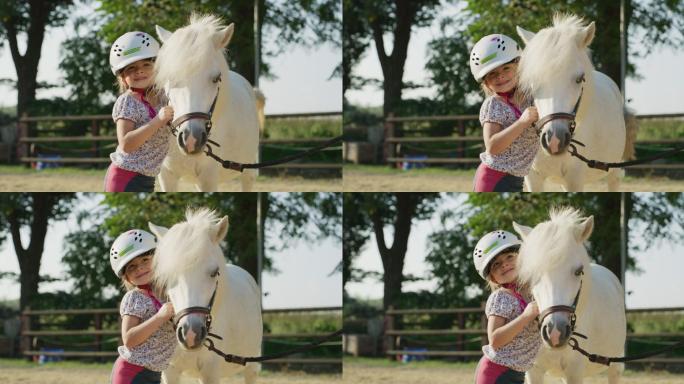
(518, 96)
(152, 93)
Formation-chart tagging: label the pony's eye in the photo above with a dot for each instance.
(579, 271)
(215, 273)
(580, 79)
(216, 79)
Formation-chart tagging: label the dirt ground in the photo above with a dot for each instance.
(361, 181)
(100, 375)
(92, 182)
(412, 374)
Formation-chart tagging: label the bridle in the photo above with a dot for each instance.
(197, 309)
(563, 115)
(176, 123)
(563, 308)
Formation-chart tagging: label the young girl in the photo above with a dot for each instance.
(148, 335)
(511, 141)
(512, 332)
(143, 143)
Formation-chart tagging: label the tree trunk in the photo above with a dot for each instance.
(29, 258)
(27, 65)
(393, 258)
(244, 232)
(242, 49)
(393, 64)
(610, 50)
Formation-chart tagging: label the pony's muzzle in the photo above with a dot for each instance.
(191, 331)
(556, 330)
(556, 138)
(193, 137)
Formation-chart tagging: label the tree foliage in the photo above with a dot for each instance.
(289, 218)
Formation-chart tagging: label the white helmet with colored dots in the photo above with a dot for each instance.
(490, 245)
(128, 246)
(490, 52)
(131, 47)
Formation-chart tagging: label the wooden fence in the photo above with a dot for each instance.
(30, 338)
(392, 151)
(97, 146)
(393, 343)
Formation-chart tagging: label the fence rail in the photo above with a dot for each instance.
(393, 145)
(393, 337)
(27, 153)
(30, 337)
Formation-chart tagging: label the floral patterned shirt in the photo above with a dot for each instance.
(517, 158)
(155, 352)
(519, 353)
(148, 158)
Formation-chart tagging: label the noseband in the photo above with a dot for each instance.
(563, 308)
(563, 115)
(176, 123)
(204, 310)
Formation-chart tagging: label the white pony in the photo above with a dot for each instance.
(190, 265)
(556, 71)
(555, 264)
(191, 68)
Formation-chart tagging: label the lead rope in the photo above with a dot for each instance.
(235, 359)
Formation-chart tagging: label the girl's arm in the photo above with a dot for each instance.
(498, 139)
(501, 333)
(130, 138)
(134, 333)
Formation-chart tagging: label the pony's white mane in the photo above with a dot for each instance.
(547, 245)
(189, 50)
(178, 251)
(553, 53)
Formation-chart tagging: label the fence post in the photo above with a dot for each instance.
(98, 337)
(95, 131)
(461, 337)
(389, 148)
(483, 324)
(389, 341)
(25, 340)
(22, 132)
(461, 133)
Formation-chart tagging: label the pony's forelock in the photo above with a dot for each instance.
(545, 247)
(552, 54)
(190, 49)
(177, 249)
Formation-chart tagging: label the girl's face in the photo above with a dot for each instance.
(139, 270)
(502, 269)
(503, 78)
(138, 74)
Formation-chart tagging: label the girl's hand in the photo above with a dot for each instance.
(529, 115)
(166, 311)
(531, 311)
(165, 114)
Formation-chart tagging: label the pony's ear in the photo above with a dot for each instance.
(587, 34)
(522, 230)
(220, 230)
(584, 229)
(524, 34)
(222, 37)
(162, 33)
(158, 230)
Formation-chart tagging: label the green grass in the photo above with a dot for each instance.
(386, 170)
(23, 363)
(302, 128)
(23, 170)
(387, 363)
(660, 129)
